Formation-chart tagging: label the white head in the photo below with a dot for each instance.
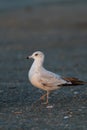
(37, 56)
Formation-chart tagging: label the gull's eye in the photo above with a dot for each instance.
(36, 54)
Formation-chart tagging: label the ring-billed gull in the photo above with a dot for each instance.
(46, 80)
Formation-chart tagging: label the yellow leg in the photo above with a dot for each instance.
(47, 97)
(43, 96)
(47, 101)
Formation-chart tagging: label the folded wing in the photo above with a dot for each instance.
(52, 81)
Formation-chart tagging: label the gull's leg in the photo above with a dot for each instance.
(47, 101)
(43, 96)
(47, 97)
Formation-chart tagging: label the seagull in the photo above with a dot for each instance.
(47, 80)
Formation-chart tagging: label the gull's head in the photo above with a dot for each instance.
(38, 55)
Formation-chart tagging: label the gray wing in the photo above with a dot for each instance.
(51, 80)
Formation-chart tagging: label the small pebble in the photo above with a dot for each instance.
(76, 92)
(66, 117)
(18, 112)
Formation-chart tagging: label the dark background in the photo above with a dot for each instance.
(59, 29)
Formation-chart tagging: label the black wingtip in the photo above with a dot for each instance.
(75, 81)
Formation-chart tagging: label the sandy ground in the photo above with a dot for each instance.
(61, 33)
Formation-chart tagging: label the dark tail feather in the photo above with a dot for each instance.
(75, 81)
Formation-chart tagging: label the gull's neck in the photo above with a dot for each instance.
(37, 64)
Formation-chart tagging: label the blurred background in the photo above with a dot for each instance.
(59, 29)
